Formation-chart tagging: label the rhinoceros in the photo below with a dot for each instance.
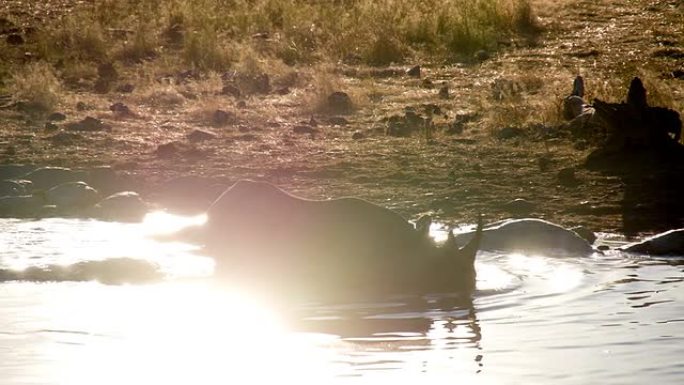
(264, 236)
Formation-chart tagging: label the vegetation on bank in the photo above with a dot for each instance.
(252, 36)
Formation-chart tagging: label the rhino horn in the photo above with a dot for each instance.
(423, 225)
(469, 251)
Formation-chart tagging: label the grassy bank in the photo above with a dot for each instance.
(252, 36)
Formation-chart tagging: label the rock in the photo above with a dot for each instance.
(48, 177)
(102, 86)
(340, 103)
(64, 138)
(404, 126)
(282, 91)
(261, 84)
(51, 127)
(106, 180)
(566, 177)
(231, 90)
(188, 194)
(80, 106)
(168, 150)
(198, 135)
(443, 92)
(337, 121)
(71, 195)
(15, 39)
(56, 117)
(667, 243)
(174, 34)
(89, 124)
(125, 88)
(220, 118)
(585, 233)
(122, 111)
(357, 135)
(529, 235)
(248, 84)
(107, 71)
(509, 133)
(519, 207)
(21, 206)
(304, 129)
(12, 171)
(122, 206)
(414, 71)
(481, 55)
(11, 188)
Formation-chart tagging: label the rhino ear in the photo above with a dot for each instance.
(423, 225)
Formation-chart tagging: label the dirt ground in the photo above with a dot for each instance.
(453, 176)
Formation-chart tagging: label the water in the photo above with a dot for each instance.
(533, 320)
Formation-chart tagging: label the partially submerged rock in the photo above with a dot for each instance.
(11, 188)
(71, 195)
(667, 243)
(47, 177)
(122, 206)
(530, 235)
(21, 206)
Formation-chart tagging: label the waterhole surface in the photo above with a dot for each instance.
(534, 319)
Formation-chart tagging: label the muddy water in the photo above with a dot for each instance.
(535, 319)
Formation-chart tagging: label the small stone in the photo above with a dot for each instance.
(121, 110)
(56, 117)
(357, 135)
(102, 86)
(200, 135)
(585, 233)
(337, 121)
(414, 71)
(14, 39)
(51, 127)
(80, 106)
(444, 92)
(125, 88)
(481, 55)
(168, 150)
(509, 132)
(340, 102)
(231, 90)
(304, 129)
(107, 71)
(282, 90)
(519, 207)
(566, 177)
(89, 124)
(64, 138)
(220, 118)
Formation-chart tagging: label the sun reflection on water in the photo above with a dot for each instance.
(185, 333)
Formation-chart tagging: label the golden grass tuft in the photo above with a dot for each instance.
(37, 86)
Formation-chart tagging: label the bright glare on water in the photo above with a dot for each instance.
(535, 319)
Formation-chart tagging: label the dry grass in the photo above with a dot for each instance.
(37, 86)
